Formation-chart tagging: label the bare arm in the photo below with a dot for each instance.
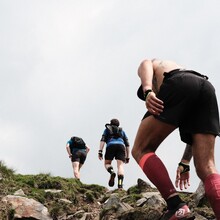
(68, 150)
(127, 152)
(187, 155)
(87, 149)
(146, 74)
(101, 146)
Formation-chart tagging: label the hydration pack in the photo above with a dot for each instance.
(77, 142)
(114, 131)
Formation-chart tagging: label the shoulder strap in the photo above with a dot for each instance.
(114, 131)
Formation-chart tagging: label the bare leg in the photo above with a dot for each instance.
(120, 166)
(108, 164)
(110, 169)
(80, 165)
(76, 169)
(149, 136)
(203, 154)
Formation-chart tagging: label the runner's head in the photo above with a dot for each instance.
(115, 122)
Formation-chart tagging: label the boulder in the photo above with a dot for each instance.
(27, 208)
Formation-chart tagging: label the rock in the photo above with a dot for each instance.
(111, 202)
(66, 201)
(154, 199)
(114, 202)
(114, 207)
(123, 207)
(141, 184)
(199, 217)
(27, 208)
(141, 202)
(79, 213)
(199, 194)
(19, 192)
(53, 190)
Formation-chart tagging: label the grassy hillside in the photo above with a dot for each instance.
(78, 196)
(35, 186)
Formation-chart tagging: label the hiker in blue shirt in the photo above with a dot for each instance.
(117, 146)
(77, 151)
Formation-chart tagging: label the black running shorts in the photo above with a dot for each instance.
(116, 151)
(190, 103)
(79, 156)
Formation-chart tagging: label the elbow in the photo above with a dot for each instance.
(143, 65)
(145, 61)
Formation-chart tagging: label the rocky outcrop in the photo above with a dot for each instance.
(27, 208)
(199, 195)
(73, 200)
(151, 205)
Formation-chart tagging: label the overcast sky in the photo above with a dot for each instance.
(67, 67)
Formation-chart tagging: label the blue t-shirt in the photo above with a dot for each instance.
(70, 142)
(123, 140)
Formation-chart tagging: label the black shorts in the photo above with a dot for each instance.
(116, 151)
(190, 103)
(78, 156)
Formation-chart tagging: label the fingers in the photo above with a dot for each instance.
(182, 184)
(177, 182)
(153, 104)
(187, 183)
(182, 180)
(177, 178)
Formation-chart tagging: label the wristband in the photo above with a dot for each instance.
(146, 93)
(100, 153)
(186, 167)
(127, 159)
(70, 156)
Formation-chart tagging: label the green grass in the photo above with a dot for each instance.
(34, 186)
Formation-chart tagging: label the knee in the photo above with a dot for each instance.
(205, 169)
(134, 153)
(138, 152)
(199, 173)
(120, 169)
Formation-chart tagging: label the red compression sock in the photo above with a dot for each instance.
(157, 173)
(212, 190)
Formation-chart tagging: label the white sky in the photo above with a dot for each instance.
(68, 67)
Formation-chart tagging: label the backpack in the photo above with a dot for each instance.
(77, 142)
(114, 131)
